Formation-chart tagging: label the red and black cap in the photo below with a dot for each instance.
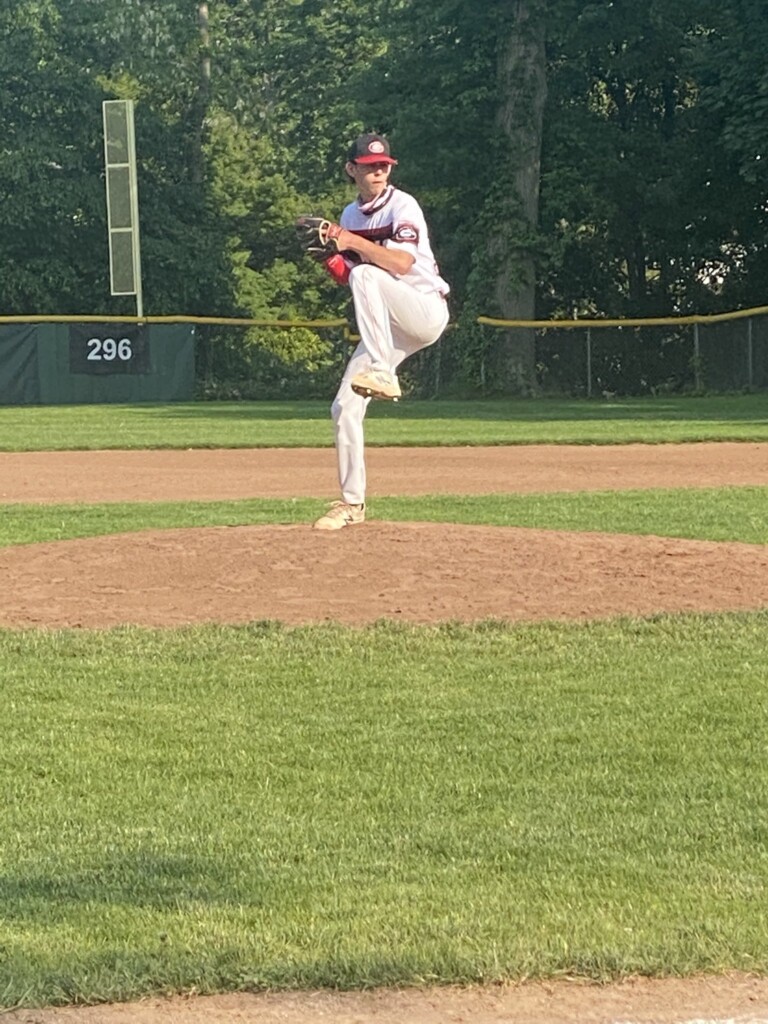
(370, 149)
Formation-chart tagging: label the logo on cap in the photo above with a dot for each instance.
(370, 149)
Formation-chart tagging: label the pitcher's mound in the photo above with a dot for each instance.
(415, 572)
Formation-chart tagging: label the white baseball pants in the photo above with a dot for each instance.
(395, 321)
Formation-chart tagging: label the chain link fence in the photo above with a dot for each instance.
(717, 354)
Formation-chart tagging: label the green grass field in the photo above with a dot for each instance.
(292, 424)
(728, 513)
(220, 808)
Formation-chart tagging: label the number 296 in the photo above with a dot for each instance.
(108, 349)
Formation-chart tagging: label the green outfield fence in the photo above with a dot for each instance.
(252, 358)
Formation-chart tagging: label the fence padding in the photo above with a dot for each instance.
(90, 363)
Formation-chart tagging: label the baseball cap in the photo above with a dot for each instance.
(370, 149)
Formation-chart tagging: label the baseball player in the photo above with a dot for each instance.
(381, 250)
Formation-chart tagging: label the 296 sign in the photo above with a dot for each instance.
(109, 349)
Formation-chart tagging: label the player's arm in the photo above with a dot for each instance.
(396, 261)
(338, 249)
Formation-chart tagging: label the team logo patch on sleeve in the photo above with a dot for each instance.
(406, 233)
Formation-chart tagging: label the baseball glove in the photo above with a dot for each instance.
(317, 237)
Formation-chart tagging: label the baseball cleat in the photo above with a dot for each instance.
(376, 384)
(339, 515)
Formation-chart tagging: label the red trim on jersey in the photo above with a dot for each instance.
(375, 234)
(378, 203)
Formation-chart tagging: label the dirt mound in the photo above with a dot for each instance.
(414, 572)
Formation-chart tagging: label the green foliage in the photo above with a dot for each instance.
(51, 237)
(638, 190)
(734, 97)
(735, 82)
(262, 363)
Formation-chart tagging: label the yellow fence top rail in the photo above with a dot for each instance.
(702, 318)
(651, 321)
(176, 319)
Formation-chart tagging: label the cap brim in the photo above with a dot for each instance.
(374, 158)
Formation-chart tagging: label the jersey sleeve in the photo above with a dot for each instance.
(408, 227)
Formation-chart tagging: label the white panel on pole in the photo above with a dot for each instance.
(122, 200)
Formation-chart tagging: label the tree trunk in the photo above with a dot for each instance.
(523, 90)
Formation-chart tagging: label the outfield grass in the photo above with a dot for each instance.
(221, 808)
(297, 424)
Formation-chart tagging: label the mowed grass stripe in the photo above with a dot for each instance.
(219, 808)
(723, 514)
(414, 422)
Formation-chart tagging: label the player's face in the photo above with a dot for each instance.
(371, 179)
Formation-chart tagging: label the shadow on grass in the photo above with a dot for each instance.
(144, 879)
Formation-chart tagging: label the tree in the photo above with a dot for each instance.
(472, 151)
(51, 195)
(638, 190)
(734, 99)
(507, 255)
(60, 59)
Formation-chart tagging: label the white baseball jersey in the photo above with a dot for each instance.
(395, 220)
